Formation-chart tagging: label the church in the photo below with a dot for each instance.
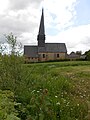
(44, 51)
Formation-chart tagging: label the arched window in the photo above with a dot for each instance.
(57, 55)
(43, 55)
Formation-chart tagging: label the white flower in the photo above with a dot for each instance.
(33, 91)
(77, 104)
(37, 91)
(56, 96)
(58, 103)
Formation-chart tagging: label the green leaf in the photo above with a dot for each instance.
(41, 116)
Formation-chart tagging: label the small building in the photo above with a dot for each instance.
(44, 51)
(73, 56)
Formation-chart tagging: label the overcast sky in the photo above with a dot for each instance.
(66, 21)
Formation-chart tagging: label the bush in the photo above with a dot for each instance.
(10, 72)
(7, 110)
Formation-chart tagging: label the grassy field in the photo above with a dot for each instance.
(46, 91)
(59, 90)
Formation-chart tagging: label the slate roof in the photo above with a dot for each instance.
(53, 48)
(31, 51)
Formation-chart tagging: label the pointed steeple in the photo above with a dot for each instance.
(41, 33)
(41, 28)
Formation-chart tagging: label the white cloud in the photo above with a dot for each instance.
(22, 17)
(23, 4)
(63, 11)
(76, 38)
(3, 5)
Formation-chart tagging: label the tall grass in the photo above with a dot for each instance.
(48, 91)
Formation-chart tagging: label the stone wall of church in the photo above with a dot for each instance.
(31, 59)
(46, 57)
(51, 56)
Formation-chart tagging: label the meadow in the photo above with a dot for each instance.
(46, 91)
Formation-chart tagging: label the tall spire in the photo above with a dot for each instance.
(41, 33)
(41, 27)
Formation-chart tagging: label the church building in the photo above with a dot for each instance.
(44, 51)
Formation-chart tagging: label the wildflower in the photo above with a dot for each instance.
(56, 96)
(62, 94)
(81, 96)
(65, 93)
(82, 80)
(58, 103)
(80, 93)
(37, 91)
(71, 109)
(84, 95)
(64, 100)
(85, 91)
(67, 104)
(77, 104)
(33, 91)
(60, 110)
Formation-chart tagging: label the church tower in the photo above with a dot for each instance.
(41, 33)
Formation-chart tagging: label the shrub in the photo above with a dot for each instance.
(7, 110)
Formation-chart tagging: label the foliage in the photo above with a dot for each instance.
(10, 77)
(10, 72)
(87, 53)
(52, 92)
(14, 45)
(7, 110)
(2, 49)
(46, 91)
(79, 52)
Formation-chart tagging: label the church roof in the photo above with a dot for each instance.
(53, 48)
(31, 51)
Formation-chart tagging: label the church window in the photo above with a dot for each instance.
(43, 55)
(57, 55)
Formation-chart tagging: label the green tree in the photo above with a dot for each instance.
(14, 45)
(11, 66)
(79, 52)
(87, 53)
(11, 78)
(2, 48)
